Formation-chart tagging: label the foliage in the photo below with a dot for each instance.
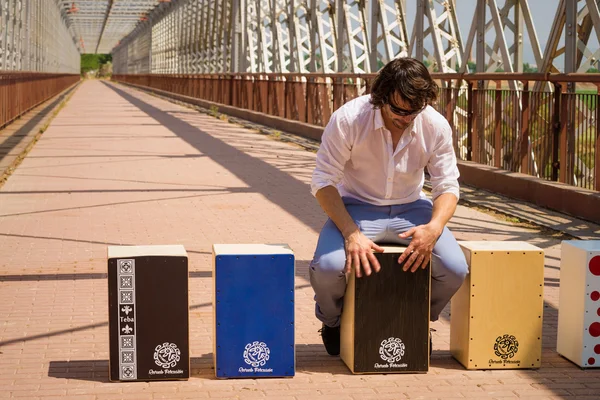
(94, 62)
(528, 68)
(472, 67)
(105, 70)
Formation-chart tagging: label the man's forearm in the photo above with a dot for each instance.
(331, 202)
(444, 207)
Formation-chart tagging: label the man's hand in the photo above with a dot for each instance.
(418, 252)
(358, 252)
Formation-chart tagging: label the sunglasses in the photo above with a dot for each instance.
(405, 113)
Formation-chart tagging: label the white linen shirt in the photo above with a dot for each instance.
(357, 157)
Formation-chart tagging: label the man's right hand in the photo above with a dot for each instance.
(360, 255)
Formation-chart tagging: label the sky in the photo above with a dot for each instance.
(542, 11)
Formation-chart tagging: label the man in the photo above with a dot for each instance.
(368, 179)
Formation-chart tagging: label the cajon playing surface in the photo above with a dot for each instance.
(385, 319)
(253, 310)
(496, 315)
(148, 313)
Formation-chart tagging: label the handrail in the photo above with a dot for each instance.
(554, 135)
(22, 91)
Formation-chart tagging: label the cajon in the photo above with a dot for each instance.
(385, 318)
(496, 315)
(253, 310)
(148, 313)
(578, 336)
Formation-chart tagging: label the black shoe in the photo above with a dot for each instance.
(331, 339)
(430, 344)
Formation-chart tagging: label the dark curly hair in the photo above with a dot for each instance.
(407, 77)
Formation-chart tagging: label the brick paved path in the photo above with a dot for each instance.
(120, 167)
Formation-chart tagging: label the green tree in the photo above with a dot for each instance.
(528, 68)
(94, 62)
(471, 67)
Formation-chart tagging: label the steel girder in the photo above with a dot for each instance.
(208, 36)
(99, 25)
(444, 33)
(202, 36)
(579, 18)
(34, 37)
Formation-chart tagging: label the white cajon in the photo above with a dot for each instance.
(578, 336)
(496, 315)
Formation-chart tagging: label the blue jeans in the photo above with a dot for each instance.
(382, 224)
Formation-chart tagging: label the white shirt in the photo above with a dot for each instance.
(357, 156)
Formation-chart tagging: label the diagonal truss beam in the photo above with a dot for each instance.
(108, 10)
(361, 35)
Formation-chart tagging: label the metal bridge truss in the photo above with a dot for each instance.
(34, 36)
(358, 36)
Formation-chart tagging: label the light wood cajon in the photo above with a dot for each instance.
(496, 315)
(385, 319)
(578, 336)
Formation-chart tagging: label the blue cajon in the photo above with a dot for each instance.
(253, 308)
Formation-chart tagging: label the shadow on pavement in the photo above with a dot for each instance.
(85, 370)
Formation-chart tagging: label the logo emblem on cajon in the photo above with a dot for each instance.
(167, 355)
(506, 346)
(391, 350)
(256, 354)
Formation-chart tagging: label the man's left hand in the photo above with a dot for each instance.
(418, 252)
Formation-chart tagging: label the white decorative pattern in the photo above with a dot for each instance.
(126, 319)
(256, 354)
(391, 350)
(167, 355)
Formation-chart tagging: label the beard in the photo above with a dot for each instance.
(400, 125)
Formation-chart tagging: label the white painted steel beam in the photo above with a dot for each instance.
(200, 36)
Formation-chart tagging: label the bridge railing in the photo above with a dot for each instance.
(22, 91)
(545, 125)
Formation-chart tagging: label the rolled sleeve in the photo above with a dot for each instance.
(442, 167)
(333, 153)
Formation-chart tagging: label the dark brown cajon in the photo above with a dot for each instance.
(385, 319)
(148, 313)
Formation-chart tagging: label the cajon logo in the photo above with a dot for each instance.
(256, 354)
(167, 355)
(391, 350)
(506, 346)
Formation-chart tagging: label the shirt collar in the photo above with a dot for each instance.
(378, 119)
(379, 123)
